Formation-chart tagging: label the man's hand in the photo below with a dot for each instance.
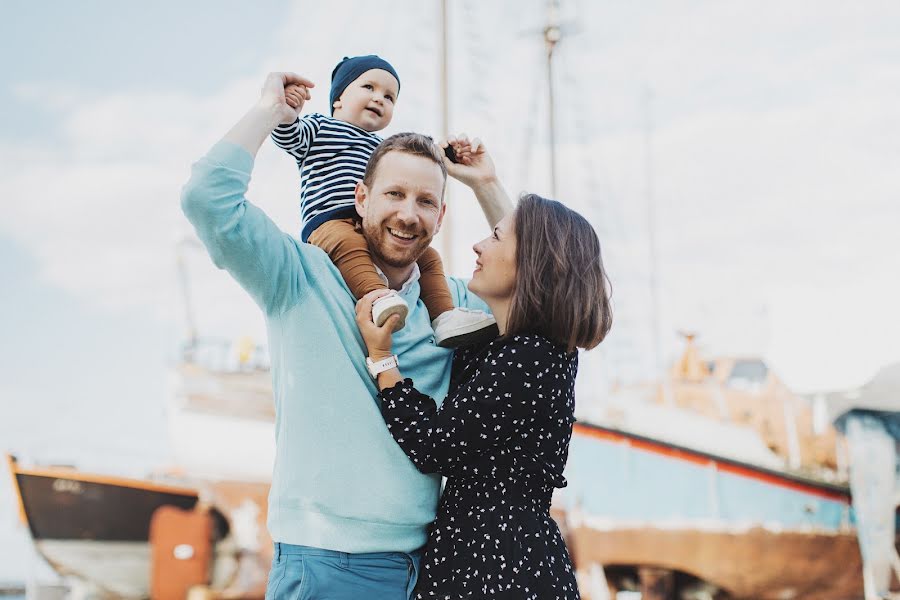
(474, 166)
(378, 339)
(274, 95)
(270, 110)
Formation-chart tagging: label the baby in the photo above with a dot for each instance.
(332, 153)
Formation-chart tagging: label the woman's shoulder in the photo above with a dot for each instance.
(519, 350)
(532, 343)
(528, 352)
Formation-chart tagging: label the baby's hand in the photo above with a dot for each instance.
(467, 151)
(473, 164)
(295, 95)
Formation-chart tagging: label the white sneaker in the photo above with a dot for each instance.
(463, 326)
(386, 306)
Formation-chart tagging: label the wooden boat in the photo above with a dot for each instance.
(94, 530)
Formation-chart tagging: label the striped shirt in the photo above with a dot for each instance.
(332, 156)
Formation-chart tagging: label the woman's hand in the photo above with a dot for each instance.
(378, 339)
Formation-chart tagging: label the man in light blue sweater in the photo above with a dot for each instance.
(347, 510)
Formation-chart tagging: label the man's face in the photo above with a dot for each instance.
(403, 208)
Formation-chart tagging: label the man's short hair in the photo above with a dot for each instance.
(408, 143)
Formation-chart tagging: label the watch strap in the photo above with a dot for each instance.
(380, 366)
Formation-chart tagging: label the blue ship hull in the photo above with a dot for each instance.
(618, 475)
(636, 507)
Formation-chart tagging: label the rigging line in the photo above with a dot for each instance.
(619, 355)
(650, 200)
(477, 60)
(445, 103)
(570, 121)
(527, 147)
(184, 282)
(581, 126)
(535, 79)
(592, 166)
(572, 127)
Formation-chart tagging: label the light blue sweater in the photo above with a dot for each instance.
(340, 481)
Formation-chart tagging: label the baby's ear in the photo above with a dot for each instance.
(337, 103)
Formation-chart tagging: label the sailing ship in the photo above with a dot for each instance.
(717, 483)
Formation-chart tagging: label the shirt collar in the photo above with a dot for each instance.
(413, 278)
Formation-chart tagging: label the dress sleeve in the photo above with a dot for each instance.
(486, 411)
(297, 137)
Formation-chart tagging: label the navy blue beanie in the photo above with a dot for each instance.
(352, 67)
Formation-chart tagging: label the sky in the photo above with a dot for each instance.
(758, 142)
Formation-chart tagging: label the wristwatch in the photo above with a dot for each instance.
(380, 366)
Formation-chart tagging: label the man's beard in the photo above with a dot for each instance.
(379, 245)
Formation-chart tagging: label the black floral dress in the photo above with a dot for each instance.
(501, 438)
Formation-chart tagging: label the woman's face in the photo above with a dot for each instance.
(494, 277)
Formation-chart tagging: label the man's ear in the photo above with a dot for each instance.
(441, 216)
(361, 193)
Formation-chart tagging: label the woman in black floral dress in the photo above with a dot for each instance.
(501, 436)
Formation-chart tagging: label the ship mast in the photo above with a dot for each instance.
(446, 226)
(653, 261)
(183, 280)
(552, 36)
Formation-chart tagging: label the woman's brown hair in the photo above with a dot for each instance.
(561, 291)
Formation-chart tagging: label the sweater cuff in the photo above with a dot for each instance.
(404, 386)
(287, 126)
(231, 156)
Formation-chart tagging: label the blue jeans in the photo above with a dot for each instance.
(305, 573)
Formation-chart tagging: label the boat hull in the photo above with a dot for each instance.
(756, 564)
(116, 568)
(71, 507)
(97, 529)
(750, 531)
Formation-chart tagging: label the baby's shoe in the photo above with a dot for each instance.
(463, 327)
(386, 306)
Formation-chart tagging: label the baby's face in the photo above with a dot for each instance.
(368, 102)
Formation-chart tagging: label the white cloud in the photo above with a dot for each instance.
(99, 203)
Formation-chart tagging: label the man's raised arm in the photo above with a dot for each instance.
(239, 237)
(271, 111)
(475, 168)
